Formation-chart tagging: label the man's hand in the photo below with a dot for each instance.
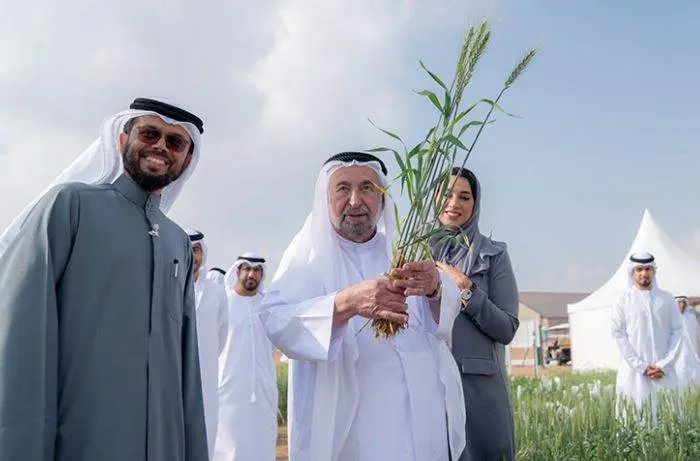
(374, 299)
(416, 279)
(463, 282)
(654, 372)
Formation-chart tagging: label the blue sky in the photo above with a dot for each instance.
(609, 109)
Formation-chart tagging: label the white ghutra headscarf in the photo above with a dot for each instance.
(101, 162)
(642, 259)
(316, 247)
(197, 239)
(251, 259)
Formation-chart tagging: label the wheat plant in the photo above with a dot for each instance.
(425, 168)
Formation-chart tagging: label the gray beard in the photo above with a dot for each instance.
(358, 230)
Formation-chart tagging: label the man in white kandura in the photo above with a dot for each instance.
(216, 274)
(352, 396)
(248, 380)
(688, 363)
(646, 326)
(212, 328)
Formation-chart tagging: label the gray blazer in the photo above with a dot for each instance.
(479, 336)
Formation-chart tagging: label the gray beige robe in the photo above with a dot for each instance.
(98, 344)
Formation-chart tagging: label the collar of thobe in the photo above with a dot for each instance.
(129, 189)
(359, 246)
(645, 294)
(235, 295)
(101, 163)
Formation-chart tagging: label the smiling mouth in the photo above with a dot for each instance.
(156, 161)
(452, 214)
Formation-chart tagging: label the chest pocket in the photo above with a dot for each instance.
(477, 366)
(175, 263)
(174, 295)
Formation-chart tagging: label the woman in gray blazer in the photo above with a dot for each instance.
(488, 321)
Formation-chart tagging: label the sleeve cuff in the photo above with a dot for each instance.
(450, 304)
(337, 336)
(477, 299)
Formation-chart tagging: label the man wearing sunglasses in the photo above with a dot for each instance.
(98, 344)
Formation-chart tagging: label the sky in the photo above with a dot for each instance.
(608, 111)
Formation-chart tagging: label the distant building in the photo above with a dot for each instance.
(538, 310)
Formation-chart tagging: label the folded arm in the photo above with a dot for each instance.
(302, 330)
(313, 329)
(496, 313)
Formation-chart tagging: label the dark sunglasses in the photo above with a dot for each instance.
(174, 142)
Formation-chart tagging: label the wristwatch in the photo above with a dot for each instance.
(466, 294)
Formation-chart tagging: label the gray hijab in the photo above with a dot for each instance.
(465, 247)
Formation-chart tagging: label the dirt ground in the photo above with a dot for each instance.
(282, 443)
(541, 371)
(515, 371)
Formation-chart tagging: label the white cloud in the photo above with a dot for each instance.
(281, 86)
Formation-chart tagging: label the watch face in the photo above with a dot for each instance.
(466, 295)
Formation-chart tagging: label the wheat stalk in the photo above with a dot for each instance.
(425, 168)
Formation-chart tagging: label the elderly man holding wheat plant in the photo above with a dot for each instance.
(351, 395)
(393, 391)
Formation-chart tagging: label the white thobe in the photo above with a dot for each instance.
(353, 397)
(688, 363)
(247, 387)
(212, 328)
(646, 326)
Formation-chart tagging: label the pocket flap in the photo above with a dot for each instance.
(476, 366)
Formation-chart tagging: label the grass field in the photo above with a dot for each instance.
(571, 416)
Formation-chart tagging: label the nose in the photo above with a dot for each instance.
(355, 198)
(161, 144)
(451, 201)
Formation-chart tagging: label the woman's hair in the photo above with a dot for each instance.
(470, 177)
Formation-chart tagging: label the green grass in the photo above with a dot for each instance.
(572, 417)
(282, 389)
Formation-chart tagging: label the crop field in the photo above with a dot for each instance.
(571, 416)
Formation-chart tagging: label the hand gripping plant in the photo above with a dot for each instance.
(426, 168)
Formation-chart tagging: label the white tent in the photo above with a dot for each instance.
(592, 346)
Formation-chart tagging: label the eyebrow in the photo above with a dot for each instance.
(347, 183)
